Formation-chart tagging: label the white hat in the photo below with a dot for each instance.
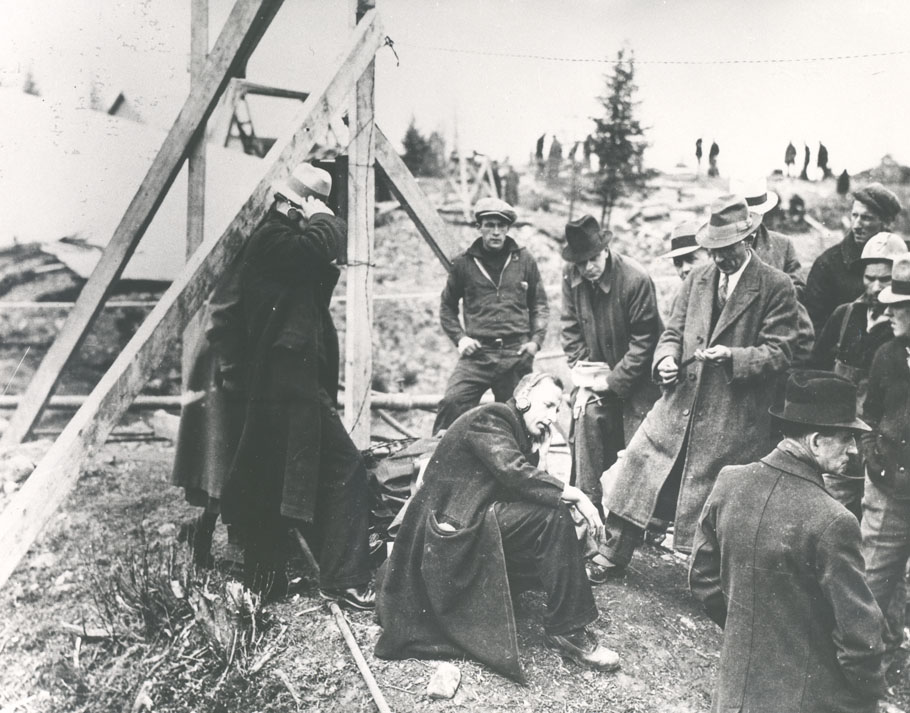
(883, 246)
(755, 190)
(305, 180)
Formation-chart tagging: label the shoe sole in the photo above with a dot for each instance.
(341, 601)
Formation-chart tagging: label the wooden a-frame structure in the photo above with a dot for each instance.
(33, 505)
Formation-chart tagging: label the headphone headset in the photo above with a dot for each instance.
(523, 391)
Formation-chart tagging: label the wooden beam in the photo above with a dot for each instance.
(195, 177)
(358, 333)
(414, 202)
(235, 38)
(35, 502)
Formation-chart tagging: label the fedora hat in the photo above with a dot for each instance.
(682, 239)
(305, 180)
(584, 239)
(899, 289)
(819, 398)
(495, 207)
(755, 190)
(883, 247)
(731, 221)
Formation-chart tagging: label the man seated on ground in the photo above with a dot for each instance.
(776, 561)
(487, 520)
(505, 313)
(848, 342)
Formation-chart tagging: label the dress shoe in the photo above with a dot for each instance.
(362, 598)
(581, 646)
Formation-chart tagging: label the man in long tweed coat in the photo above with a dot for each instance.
(777, 564)
(729, 337)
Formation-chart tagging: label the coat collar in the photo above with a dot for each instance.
(850, 250)
(745, 294)
(605, 283)
(799, 467)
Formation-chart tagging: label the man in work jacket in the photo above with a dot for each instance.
(848, 343)
(505, 313)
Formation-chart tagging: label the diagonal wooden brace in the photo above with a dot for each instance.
(32, 506)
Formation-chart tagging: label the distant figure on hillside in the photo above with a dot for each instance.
(698, 155)
(843, 183)
(510, 181)
(822, 161)
(807, 155)
(554, 161)
(505, 312)
(796, 210)
(712, 159)
(790, 158)
(538, 155)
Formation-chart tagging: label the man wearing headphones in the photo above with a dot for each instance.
(505, 313)
(487, 521)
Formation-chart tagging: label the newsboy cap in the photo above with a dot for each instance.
(879, 200)
(495, 207)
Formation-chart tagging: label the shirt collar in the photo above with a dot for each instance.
(733, 278)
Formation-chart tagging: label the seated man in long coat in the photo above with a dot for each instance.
(777, 564)
(729, 337)
(486, 518)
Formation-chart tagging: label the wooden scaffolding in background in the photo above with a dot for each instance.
(352, 91)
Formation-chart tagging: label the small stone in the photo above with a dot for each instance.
(168, 529)
(687, 622)
(445, 681)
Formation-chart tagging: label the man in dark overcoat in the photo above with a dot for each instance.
(729, 337)
(295, 463)
(777, 564)
(504, 310)
(489, 518)
(609, 317)
(836, 276)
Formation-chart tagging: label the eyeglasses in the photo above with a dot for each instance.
(282, 197)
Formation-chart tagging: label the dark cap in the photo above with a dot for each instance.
(584, 239)
(821, 399)
(879, 200)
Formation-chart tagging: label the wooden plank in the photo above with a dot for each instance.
(195, 179)
(35, 502)
(414, 201)
(234, 39)
(358, 333)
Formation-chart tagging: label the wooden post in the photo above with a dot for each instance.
(30, 508)
(233, 42)
(358, 346)
(195, 179)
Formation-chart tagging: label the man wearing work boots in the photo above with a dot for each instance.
(505, 313)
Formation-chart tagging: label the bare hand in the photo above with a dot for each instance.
(668, 370)
(529, 348)
(468, 345)
(717, 354)
(583, 504)
(312, 205)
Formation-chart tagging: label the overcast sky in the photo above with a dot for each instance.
(454, 68)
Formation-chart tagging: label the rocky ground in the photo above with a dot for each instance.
(71, 641)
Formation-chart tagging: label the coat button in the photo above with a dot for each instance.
(691, 377)
(685, 412)
(699, 339)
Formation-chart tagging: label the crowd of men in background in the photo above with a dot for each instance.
(733, 420)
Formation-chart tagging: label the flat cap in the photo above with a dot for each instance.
(494, 206)
(879, 200)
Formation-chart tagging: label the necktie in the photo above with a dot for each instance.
(722, 290)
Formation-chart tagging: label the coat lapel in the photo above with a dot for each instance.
(704, 292)
(746, 293)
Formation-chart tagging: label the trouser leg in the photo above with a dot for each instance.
(597, 436)
(886, 549)
(473, 375)
(510, 370)
(620, 540)
(541, 541)
(339, 532)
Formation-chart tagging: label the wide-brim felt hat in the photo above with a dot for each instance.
(584, 239)
(820, 399)
(731, 221)
(494, 206)
(899, 289)
(682, 239)
(305, 180)
(759, 199)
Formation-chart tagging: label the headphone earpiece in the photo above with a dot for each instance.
(522, 396)
(522, 403)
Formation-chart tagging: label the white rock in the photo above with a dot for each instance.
(445, 681)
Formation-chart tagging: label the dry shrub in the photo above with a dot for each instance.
(174, 639)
